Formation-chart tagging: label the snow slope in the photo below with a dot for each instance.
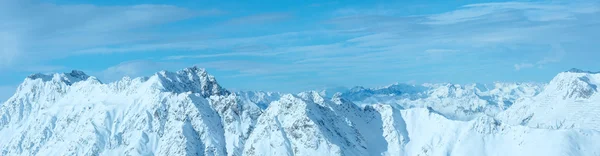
(188, 113)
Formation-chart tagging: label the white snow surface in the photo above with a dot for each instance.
(189, 113)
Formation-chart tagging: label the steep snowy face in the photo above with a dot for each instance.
(238, 116)
(307, 124)
(570, 100)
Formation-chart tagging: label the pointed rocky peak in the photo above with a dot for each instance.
(343, 103)
(337, 95)
(339, 99)
(194, 71)
(78, 74)
(193, 79)
(312, 96)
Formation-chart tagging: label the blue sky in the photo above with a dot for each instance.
(301, 45)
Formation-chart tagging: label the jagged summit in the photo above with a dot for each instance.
(68, 78)
(79, 74)
(192, 79)
(74, 73)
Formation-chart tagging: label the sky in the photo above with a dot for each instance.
(292, 46)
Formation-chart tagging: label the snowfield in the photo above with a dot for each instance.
(188, 113)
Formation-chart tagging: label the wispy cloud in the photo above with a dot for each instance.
(259, 18)
(540, 11)
(145, 48)
(245, 50)
(555, 55)
(54, 31)
(238, 45)
(348, 43)
(178, 57)
(523, 66)
(472, 34)
(436, 51)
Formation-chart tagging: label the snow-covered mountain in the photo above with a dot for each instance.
(570, 100)
(189, 113)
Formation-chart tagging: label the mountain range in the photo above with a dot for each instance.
(188, 113)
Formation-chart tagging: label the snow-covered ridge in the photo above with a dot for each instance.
(193, 79)
(188, 113)
(68, 78)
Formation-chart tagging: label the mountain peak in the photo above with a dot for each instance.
(575, 70)
(195, 70)
(312, 96)
(574, 83)
(192, 79)
(68, 78)
(78, 74)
